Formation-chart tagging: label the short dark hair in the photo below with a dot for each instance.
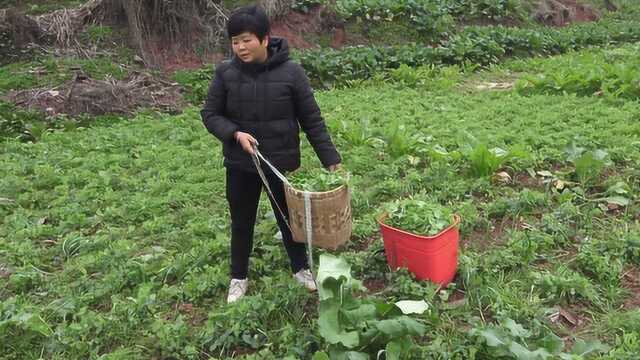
(252, 19)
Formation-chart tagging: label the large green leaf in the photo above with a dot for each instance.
(617, 200)
(34, 323)
(589, 166)
(341, 354)
(331, 288)
(356, 355)
(494, 337)
(412, 307)
(386, 310)
(516, 329)
(552, 343)
(362, 313)
(400, 327)
(413, 327)
(332, 329)
(393, 351)
(522, 353)
(369, 334)
(333, 267)
(320, 356)
(583, 348)
(391, 327)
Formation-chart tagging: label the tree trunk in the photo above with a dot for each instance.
(158, 27)
(276, 8)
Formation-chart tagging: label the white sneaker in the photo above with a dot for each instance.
(237, 289)
(305, 278)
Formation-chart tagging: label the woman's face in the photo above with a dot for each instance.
(248, 48)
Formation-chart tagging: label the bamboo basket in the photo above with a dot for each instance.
(330, 216)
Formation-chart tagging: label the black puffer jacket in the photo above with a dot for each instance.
(270, 101)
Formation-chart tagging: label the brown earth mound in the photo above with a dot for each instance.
(564, 12)
(22, 28)
(84, 95)
(295, 25)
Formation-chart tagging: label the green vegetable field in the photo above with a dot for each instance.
(114, 231)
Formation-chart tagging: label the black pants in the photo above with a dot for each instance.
(243, 194)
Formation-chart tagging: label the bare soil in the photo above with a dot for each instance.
(631, 282)
(375, 285)
(484, 239)
(295, 25)
(84, 95)
(565, 12)
(196, 316)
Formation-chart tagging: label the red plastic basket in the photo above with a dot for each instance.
(433, 258)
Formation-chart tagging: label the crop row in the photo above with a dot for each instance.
(477, 45)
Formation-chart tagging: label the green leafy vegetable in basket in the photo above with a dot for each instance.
(419, 215)
(318, 179)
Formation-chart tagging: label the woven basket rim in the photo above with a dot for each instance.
(317, 194)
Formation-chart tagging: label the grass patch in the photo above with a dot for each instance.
(51, 72)
(116, 242)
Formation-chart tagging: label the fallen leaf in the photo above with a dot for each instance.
(562, 314)
(503, 177)
(560, 184)
(612, 207)
(412, 307)
(544, 173)
(617, 200)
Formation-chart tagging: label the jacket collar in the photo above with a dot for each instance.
(278, 50)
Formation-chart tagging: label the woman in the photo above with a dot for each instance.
(262, 98)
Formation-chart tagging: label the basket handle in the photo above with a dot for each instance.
(256, 156)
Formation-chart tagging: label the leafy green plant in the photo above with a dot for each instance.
(600, 265)
(429, 76)
(566, 285)
(591, 74)
(21, 323)
(404, 285)
(588, 164)
(117, 235)
(397, 139)
(477, 45)
(319, 179)
(484, 161)
(17, 123)
(357, 328)
(356, 132)
(418, 214)
(429, 16)
(510, 339)
(433, 17)
(98, 34)
(196, 82)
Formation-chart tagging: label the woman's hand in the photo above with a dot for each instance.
(334, 167)
(246, 141)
